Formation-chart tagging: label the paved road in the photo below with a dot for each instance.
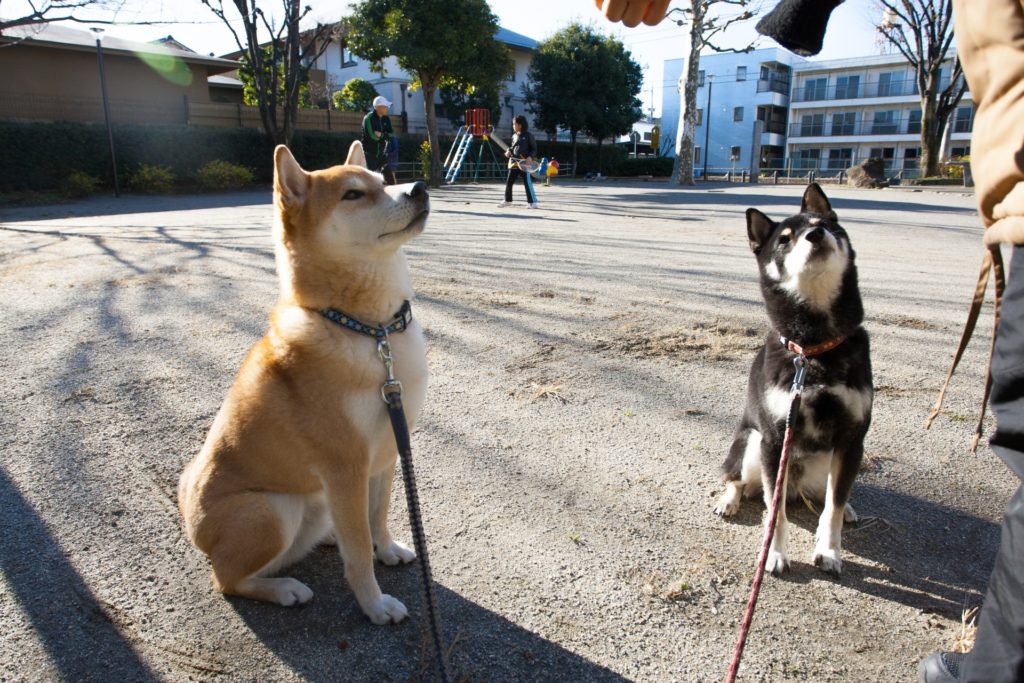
(588, 362)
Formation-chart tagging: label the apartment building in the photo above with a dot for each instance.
(798, 115)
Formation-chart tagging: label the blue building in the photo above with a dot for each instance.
(769, 109)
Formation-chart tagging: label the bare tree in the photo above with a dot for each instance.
(706, 23)
(277, 67)
(49, 11)
(922, 31)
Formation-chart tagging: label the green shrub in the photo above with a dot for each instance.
(80, 184)
(149, 179)
(659, 167)
(425, 160)
(223, 175)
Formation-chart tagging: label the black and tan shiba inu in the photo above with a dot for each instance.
(809, 284)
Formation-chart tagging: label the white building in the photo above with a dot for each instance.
(340, 66)
(769, 109)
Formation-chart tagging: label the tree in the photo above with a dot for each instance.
(250, 92)
(357, 95)
(277, 68)
(49, 11)
(457, 100)
(706, 22)
(446, 43)
(922, 31)
(619, 108)
(562, 91)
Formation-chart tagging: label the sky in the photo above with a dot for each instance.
(851, 32)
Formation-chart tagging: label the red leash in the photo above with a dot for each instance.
(741, 640)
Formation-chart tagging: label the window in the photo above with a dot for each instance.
(844, 124)
(734, 154)
(914, 122)
(808, 159)
(511, 77)
(840, 159)
(884, 123)
(765, 72)
(887, 84)
(814, 88)
(700, 78)
(741, 73)
(910, 155)
(737, 113)
(700, 117)
(960, 152)
(647, 137)
(347, 58)
(964, 120)
(847, 87)
(812, 124)
(886, 154)
(696, 155)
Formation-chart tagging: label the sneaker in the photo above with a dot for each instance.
(940, 667)
(535, 205)
(504, 204)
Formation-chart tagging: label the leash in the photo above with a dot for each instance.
(800, 362)
(391, 392)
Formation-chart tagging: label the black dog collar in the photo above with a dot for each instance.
(398, 323)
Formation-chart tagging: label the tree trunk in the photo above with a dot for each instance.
(931, 138)
(682, 168)
(429, 88)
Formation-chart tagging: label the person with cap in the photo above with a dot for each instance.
(378, 137)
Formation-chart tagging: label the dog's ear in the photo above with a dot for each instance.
(290, 181)
(356, 157)
(815, 201)
(759, 229)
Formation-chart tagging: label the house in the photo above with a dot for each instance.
(769, 109)
(339, 65)
(51, 73)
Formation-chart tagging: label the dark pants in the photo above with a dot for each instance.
(513, 175)
(998, 653)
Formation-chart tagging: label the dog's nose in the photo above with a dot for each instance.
(418, 189)
(816, 235)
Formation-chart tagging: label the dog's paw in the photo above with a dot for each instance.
(827, 560)
(395, 553)
(777, 563)
(728, 505)
(850, 515)
(288, 592)
(386, 610)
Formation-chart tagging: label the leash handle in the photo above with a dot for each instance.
(800, 362)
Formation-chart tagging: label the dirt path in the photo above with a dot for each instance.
(588, 362)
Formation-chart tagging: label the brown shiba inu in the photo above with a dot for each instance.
(302, 450)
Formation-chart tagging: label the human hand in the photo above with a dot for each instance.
(632, 12)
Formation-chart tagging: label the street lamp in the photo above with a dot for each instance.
(707, 126)
(106, 108)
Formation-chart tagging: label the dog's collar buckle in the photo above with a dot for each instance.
(392, 388)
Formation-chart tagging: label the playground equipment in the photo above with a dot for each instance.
(477, 131)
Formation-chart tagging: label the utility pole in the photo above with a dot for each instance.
(106, 109)
(707, 126)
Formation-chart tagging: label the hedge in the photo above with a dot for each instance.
(41, 156)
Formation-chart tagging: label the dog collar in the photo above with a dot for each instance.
(398, 323)
(807, 351)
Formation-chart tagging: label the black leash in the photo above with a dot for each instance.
(391, 392)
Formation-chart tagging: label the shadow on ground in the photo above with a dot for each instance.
(330, 639)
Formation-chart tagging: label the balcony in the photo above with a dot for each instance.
(845, 127)
(813, 92)
(776, 84)
(778, 127)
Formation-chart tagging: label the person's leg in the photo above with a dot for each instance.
(998, 653)
(389, 176)
(531, 197)
(509, 182)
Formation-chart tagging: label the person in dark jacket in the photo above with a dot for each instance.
(378, 138)
(520, 153)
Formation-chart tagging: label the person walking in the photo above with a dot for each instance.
(520, 154)
(378, 137)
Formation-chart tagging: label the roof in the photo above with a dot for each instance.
(225, 82)
(515, 39)
(60, 37)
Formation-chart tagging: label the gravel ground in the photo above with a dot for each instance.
(588, 362)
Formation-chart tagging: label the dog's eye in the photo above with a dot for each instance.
(354, 194)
